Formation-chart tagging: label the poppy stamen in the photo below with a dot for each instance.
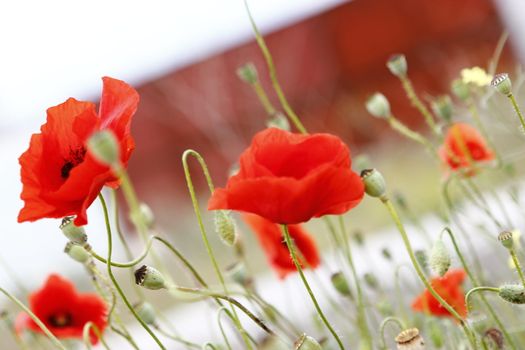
(60, 320)
(75, 158)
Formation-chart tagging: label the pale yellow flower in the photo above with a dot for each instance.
(475, 76)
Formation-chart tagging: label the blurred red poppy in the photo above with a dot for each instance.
(290, 178)
(271, 240)
(63, 310)
(463, 147)
(59, 176)
(449, 288)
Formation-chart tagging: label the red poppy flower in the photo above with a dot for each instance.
(275, 249)
(59, 177)
(449, 288)
(463, 147)
(63, 310)
(290, 178)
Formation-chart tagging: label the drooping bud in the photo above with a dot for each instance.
(371, 280)
(279, 121)
(460, 89)
(506, 239)
(77, 252)
(104, 147)
(146, 312)
(410, 339)
(340, 284)
(150, 278)
(378, 105)
(237, 272)
(397, 64)
(74, 233)
(439, 260)
(248, 73)
(443, 108)
(306, 342)
(375, 185)
(225, 227)
(513, 293)
(502, 83)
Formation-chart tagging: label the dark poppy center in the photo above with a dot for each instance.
(60, 320)
(76, 156)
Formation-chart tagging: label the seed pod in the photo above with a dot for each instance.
(77, 252)
(306, 342)
(378, 105)
(513, 293)
(442, 107)
(397, 64)
(248, 73)
(375, 185)
(74, 233)
(410, 339)
(150, 278)
(146, 312)
(506, 239)
(279, 121)
(502, 83)
(439, 259)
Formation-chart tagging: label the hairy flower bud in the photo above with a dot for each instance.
(306, 342)
(410, 339)
(340, 284)
(248, 73)
(375, 185)
(439, 259)
(279, 121)
(77, 252)
(442, 107)
(506, 239)
(397, 64)
(225, 227)
(378, 105)
(513, 293)
(74, 233)
(146, 312)
(150, 278)
(104, 147)
(502, 83)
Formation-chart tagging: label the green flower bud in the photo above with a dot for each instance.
(502, 83)
(371, 280)
(74, 233)
(150, 278)
(375, 185)
(439, 259)
(279, 121)
(397, 64)
(340, 284)
(248, 73)
(410, 339)
(443, 108)
(104, 147)
(506, 239)
(238, 273)
(460, 89)
(225, 227)
(306, 342)
(77, 252)
(513, 293)
(378, 105)
(146, 312)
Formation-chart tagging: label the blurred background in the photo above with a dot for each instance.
(182, 57)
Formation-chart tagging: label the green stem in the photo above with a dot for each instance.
(517, 265)
(127, 264)
(478, 289)
(416, 102)
(178, 339)
(221, 328)
(382, 327)
(411, 134)
(87, 337)
(114, 280)
(263, 98)
(518, 111)
(289, 244)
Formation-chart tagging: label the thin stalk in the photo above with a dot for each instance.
(517, 265)
(289, 244)
(126, 264)
(263, 98)
(178, 339)
(382, 327)
(86, 336)
(221, 328)
(478, 289)
(419, 105)
(518, 111)
(411, 134)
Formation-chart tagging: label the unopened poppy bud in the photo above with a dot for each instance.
(502, 83)
(150, 278)
(496, 337)
(146, 312)
(340, 284)
(506, 239)
(442, 107)
(306, 342)
(104, 147)
(77, 252)
(375, 185)
(422, 259)
(74, 233)
(279, 121)
(248, 73)
(397, 64)
(371, 280)
(237, 272)
(225, 227)
(460, 89)
(513, 293)
(410, 339)
(439, 259)
(378, 105)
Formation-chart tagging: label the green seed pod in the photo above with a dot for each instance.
(225, 227)
(443, 108)
(74, 233)
(439, 259)
(397, 64)
(513, 293)
(77, 252)
(306, 342)
(146, 312)
(502, 83)
(378, 105)
(150, 278)
(104, 147)
(248, 73)
(460, 89)
(279, 121)
(410, 339)
(506, 239)
(375, 185)
(340, 284)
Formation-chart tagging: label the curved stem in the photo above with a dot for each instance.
(86, 336)
(114, 280)
(411, 134)
(35, 319)
(127, 264)
(420, 106)
(289, 244)
(382, 327)
(224, 337)
(478, 289)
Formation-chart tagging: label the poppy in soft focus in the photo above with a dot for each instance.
(449, 288)
(464, 146)
(63, 310)
(59, 176)
(290, 178)
(272, 242)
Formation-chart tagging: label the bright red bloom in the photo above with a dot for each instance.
(290, 178)
(59, 177)
(449, 288)
(63, 310)
(463, 147)
(271, 238)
